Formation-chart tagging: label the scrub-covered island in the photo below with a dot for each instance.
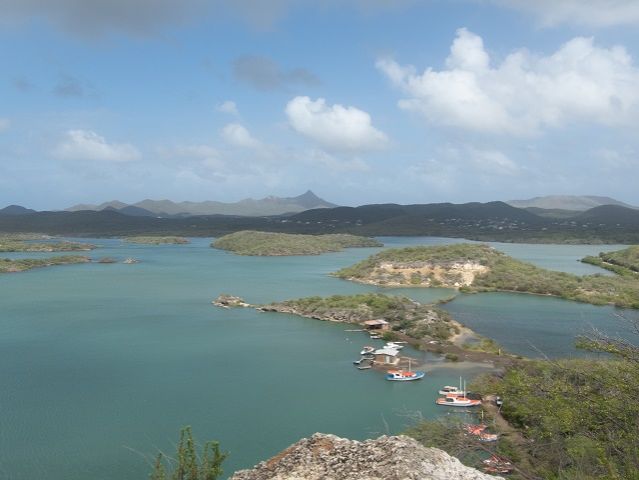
(249, 242)
(33, 243)
(157, 240)
(481, 268)
(394, 318)
(8, 265)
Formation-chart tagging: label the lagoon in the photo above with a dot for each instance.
(101, 364)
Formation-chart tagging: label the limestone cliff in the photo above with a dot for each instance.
(328, 457)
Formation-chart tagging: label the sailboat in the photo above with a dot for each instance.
(455, 400)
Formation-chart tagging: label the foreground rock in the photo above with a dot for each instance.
(228, 301)
(328, 457)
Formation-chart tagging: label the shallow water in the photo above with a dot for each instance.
(103, 363)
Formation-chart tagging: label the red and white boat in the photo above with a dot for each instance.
(455, 401)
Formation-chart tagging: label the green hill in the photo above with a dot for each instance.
(480, 268)
(278, 244)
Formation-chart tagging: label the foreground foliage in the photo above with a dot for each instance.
(503, 273)
(580, 416)
(188, 464)
(275, 244)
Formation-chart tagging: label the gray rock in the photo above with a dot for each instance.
(328, 457)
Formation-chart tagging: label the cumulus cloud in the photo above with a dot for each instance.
(4, 124)
(335, 164)
(229, 107)
(206, 155)
(88, 145)
(237, 135)
(592, 13)
(263, 73)
(525, 93)
(336, 127)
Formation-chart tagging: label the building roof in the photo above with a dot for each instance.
(375, 322)
(387, 351)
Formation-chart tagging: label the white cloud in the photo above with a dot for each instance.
(206, 155)
(334, 127)
(525, 93)
(229, 107)
(88, 145)
(4, 124)
(237, 135)
(593, 13)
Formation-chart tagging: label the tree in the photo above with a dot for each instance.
(188, 465)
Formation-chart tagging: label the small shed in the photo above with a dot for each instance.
(377, 325)
(386, 356)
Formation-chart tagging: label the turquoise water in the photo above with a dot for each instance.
(101, 364)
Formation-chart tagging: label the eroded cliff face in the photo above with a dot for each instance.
(453, 275)
(328, 457)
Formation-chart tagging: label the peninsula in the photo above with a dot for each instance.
(622, 262)
(248, 242)
(25, 243)
(156, 240)
(8, 265)
(481, 268)
(427, 327)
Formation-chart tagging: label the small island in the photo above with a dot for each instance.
(481, 268)
(151, 240)
(248, 242)
(25, 243)
(8, 265)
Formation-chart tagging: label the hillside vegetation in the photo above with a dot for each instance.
(276, 244)
(476, 268)
(8, 265)
(622, 262)
(580, 417)
(403, 314)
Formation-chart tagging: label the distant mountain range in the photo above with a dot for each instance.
(578, 203)
(249, 207)
(492, 221)
(15, 210)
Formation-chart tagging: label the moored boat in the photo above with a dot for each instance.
(455, 401)
(404, 376)
(448, 390)
(367, 349)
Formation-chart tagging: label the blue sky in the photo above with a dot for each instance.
(410, 101)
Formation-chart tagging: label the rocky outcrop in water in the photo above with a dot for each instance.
(328, 457)
(228, 301)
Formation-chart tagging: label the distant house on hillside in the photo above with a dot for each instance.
(386, 356)
(382, 325)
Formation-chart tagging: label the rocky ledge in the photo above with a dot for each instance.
(328, 457)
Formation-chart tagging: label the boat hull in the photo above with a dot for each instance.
(408, 378)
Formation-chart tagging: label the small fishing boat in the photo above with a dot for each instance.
(394, 345)
(496, 464)
(367, 349)
(448, 390)
(479, 432)
(454, 401)
(404, 376)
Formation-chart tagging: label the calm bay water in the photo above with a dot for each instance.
(101, 364)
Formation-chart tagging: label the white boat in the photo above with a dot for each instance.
(394, 345)
(367, 349)
(454, 401)
(404, 376)
(448, 390)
